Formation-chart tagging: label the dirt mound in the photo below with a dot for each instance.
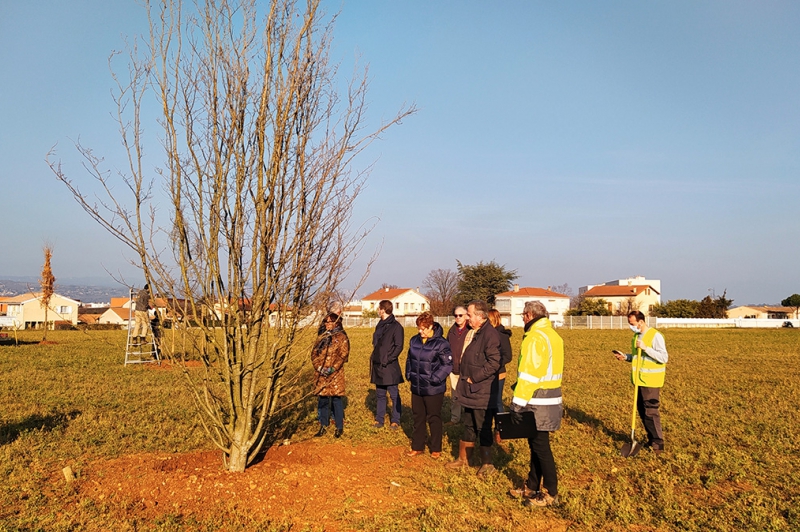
(308, 484)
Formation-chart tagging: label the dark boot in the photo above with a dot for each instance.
(486, 462)
(464, 448)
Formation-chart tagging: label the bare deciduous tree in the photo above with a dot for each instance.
(257, 177)
(47, 282)
(564, 289)
(441, 287)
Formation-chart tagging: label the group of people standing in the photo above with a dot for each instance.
(472, 360)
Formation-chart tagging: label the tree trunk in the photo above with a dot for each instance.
(237, 457)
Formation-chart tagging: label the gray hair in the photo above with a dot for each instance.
(536, 309)
(481, 308)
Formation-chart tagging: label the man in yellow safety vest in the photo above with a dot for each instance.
(538, 390)
(648, 358)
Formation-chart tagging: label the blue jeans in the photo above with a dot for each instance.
(380, 414)
(496, 402)
(324, 404)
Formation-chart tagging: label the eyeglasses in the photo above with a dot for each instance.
(327, 322)
(458, 315)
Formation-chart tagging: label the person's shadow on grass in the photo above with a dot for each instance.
(584, 418)
(11, 431)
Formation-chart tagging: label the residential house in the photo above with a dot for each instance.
(630, 281)
(763, 312)
(510, 304)
(90, 315)
(117, 316)
(27, 309)
(352, 309)
(621, 299)
(406, 301)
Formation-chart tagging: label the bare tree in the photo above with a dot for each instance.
(257, 177)
(47, 282)
(441, 287)
(628, 305)
(564, 289)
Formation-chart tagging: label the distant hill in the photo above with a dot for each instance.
(82, 293)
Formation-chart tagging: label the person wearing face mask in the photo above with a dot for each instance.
(648, 360)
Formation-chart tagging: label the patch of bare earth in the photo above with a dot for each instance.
(314, 483)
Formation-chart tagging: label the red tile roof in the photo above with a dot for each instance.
(531, 291)
(21, 298)
(122, 313)
(385, 293)
(30, 296)
(617, 291)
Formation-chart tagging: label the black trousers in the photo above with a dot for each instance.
(543, 465)
(427, 410)
(477, 425)
(647, 404)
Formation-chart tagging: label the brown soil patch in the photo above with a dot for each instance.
(308, 484)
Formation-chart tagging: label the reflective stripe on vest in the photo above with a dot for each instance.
(536, 380)
(541, 401)
(651, 372)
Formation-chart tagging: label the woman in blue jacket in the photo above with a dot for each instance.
(428, 366)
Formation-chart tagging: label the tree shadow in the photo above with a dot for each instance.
(12, 342)
(57, 420)
(585, 418)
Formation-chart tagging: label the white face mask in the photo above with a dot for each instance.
(634, 328)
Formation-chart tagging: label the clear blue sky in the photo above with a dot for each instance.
(575, 142)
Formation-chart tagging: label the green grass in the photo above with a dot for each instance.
(728, 410)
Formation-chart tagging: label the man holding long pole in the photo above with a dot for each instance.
(648, 360)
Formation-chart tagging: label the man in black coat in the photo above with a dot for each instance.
(456, 336)
(385, 374)
(479, 364)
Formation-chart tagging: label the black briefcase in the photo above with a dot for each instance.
(511, 431)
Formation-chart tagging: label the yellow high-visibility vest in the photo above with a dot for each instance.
(650, 372)
(541, 363)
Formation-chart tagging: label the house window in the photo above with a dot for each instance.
(64, 309)
(503, 305)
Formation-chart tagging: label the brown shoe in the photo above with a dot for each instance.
(522, 493)
(541, 499)
(412, 452)
(436, 455)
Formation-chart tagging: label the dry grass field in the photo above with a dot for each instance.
(142, 461)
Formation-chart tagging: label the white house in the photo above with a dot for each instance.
(116, 315)
(510, 304)
(638, 280)
(762, 312)
(406, 301)
(623, 299)
(26, 309)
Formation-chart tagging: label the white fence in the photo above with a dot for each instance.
(405, 321)
(706, 323)
(603, 322)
